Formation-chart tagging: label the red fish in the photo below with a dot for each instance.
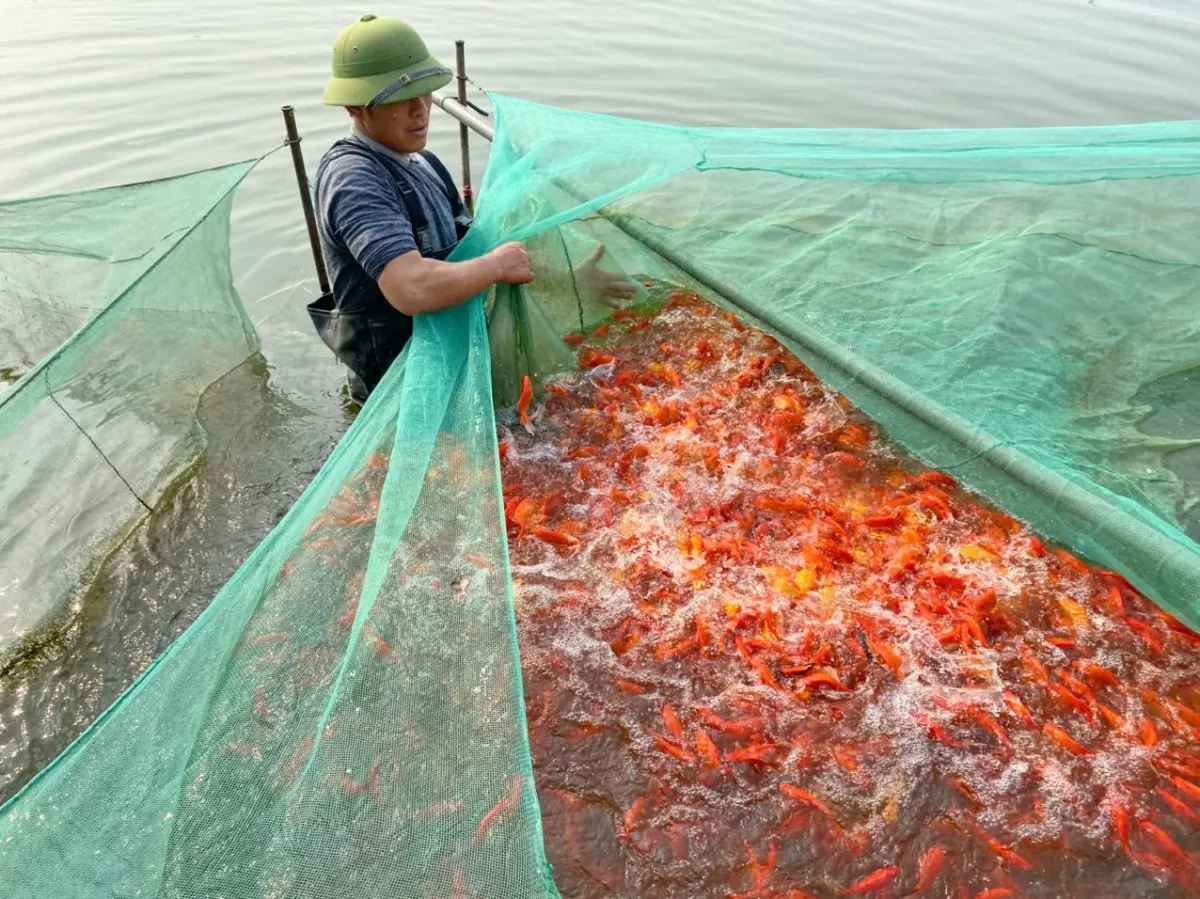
(633, 817)
(672, 749)
(1000, 850)
(874, 881)
(1076, 686)
(556, 538)
(1111, 718)
(707, 750)
(1019, 709)
(1177, 805)
(930, 866)
(671, 720)
(628, 686)
(760, 754)
(1096, 673)
(796, 794)
(823, 678)
(524, 401)
(1187, 788)
(505, 806)
(1063, 739)
(1146, 733)
(742, 727)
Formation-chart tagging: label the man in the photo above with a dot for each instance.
(388, 211)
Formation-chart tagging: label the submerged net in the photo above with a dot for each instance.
(765, 650)
(117, 310)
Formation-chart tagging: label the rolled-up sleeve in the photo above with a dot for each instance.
(364, 212)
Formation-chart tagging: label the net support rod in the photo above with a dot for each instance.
(460, 60)
(310, 218)
(464, 115)
(1117, 530)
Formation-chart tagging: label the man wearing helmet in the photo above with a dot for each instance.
(388, 212)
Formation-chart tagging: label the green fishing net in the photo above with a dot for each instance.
(346, 718)
(117, 310)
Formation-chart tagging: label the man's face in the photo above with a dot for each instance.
(403, 126)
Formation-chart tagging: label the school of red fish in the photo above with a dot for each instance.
(766, 654)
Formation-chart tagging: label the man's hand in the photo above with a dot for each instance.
(414, 284)
(595, 283)
(512, 264)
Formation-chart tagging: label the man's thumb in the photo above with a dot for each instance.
(596, 254)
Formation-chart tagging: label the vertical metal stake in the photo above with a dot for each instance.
(310, 218)
(460, 55)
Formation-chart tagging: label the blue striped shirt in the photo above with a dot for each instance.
(363, 221)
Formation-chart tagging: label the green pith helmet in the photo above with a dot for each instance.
(377, 61)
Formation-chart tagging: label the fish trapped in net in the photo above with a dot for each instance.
(765, 653)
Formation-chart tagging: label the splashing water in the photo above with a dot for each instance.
(766, 654)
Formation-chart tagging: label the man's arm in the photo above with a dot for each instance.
(413, 283)
(362, 207)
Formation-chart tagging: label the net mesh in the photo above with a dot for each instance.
(117, 310)
(347, 717)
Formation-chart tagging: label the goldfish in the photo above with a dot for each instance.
(876, 880)
(501, 809)
(524, 401)
(1063, 739)
(776, 582)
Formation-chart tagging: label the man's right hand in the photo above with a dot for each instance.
(512, 263)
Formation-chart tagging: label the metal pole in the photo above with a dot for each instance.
(310, 218)
(460, 54)
(455, 110)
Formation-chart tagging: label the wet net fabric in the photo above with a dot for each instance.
(998, 300)
(347, 718)
(116, 311)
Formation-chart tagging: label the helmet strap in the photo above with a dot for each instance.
(404, 81)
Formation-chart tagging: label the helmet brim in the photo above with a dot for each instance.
(362, 90)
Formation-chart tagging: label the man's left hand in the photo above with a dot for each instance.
(595, 283)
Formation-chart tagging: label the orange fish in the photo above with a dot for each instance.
(633, 817)
(707, 749)
(988, 723)
(874, 881)
(823, 678)
(1000, 850)
(1146, 733)
(521, 514)
(1177, 805)
(628, 686)
(556, 538)
(1019, 709)
(1111, 718)
(930, 866)
(761, 754)
(796, 794)
(671, 749)
(1190, 789)
(505, 806)
(674, 728)
(524, 401)
(1032, 665)
(1076, 686)
(1063, 739)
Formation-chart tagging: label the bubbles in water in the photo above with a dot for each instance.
(765, 651)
